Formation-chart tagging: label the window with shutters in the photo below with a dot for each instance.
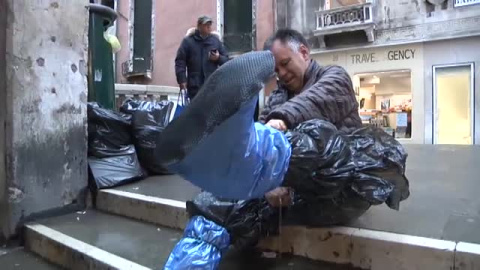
(238, 29)
(141, 40)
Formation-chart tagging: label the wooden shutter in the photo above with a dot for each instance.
(238, 26)
(141, 63)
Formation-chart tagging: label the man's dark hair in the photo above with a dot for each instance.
(287, 36)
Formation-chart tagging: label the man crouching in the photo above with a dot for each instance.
(306, 91)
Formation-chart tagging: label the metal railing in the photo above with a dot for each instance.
(144, 92)
(344, 17)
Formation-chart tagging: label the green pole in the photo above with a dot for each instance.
(101, 83)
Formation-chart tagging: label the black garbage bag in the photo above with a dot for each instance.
(326, 163)
(144, 136)
(249, 221)
(158, 112)
(245, 221)
(335, 177)
(108, 132)
(112, 158)
(113, 171)
(149, 119)
(309, 210)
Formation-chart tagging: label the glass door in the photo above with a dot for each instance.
(453, 104)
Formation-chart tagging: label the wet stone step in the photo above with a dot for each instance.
(145, 246)
(20, 259)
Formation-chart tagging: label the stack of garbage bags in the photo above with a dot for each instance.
(120, 143)
(335, 178)
(112, 158)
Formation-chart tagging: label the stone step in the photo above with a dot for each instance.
(95, 240)
(359, 245)
(374, 250)
(20, 259)
(159, 200)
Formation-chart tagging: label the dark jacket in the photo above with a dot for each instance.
(193, 58)
(328, 95)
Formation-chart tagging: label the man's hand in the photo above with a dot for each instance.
(277, 124)
(214, 56)
(183, 86)
(279, 197)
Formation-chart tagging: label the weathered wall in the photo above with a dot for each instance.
(459, 51)
(3, 27)
(298, 14)
(397, 21)
(46, 112)
(414, 20)
(123, 36)
(265, 28)
(265, 21)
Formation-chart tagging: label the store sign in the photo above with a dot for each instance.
(396, 55)
(363, 58)
(390, 55)
(462, 3)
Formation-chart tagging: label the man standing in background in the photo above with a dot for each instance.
(199, 55)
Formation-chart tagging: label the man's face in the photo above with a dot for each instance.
(205, 29)
(290, 65)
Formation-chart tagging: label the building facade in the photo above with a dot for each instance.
(151, 31)
(414, 63)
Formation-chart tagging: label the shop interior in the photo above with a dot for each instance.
(385, 100)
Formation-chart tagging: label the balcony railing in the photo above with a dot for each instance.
(346, 19)
(344, 16)
(144, 92)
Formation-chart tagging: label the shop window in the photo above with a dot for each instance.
(453, 105)
(238, 25)
(386, 101)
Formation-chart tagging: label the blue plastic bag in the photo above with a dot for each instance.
(201, 247)
(240, 159)
(215, 143)
(182, 102)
